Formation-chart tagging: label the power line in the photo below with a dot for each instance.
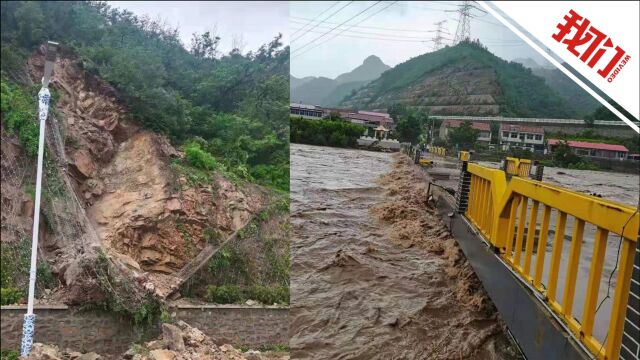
(312, 20)
(417, 36)
(366, 27)
(335, 27)
(335, 12)
(463, 31)
(400, 39)
(437, 40)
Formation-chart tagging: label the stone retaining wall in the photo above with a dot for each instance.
(111, 335)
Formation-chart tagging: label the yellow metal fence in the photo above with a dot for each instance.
(437, 150)
(500, 209)
(518, 167)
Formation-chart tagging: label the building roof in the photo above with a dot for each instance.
(303, 106)
(476, 125)
(590, 145)
(521, 128)
(367, 117)
(375, 113)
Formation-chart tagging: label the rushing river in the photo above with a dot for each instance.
(354, 293)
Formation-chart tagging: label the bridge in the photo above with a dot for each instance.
(567, 126)
(514, 230)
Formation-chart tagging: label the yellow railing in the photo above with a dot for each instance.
(518, 167)
(464, 156)
(437, 150)
(500, 210)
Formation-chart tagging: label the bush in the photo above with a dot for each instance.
(269, 295)
(10, 296)
(224, 294)
(19, 113)
(198, 158)
(335, 132)
(9, 355)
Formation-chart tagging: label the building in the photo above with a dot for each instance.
(484, 129)
(522, 137)
(595, 150)
(306, 111)
(368, 119)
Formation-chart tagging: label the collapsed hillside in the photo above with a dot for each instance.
(465, 79)
(127, 212)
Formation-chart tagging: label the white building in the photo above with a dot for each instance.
(306, 111)
(522, 137)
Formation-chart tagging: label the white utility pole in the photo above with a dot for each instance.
(44, 96)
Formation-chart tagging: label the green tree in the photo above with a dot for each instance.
(464, 136)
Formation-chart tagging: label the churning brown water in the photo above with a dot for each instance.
(374, 273)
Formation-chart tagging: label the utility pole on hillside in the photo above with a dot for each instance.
(28, 326)
(437, 40)
(463, 31)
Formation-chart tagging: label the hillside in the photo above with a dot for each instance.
(329, 92)
(465, 79)
(295, 82)
(370, 69)
(314, 91)
(160, 161)
(571, 92)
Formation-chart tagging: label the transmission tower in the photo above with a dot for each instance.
(437, 40)
(463, 31)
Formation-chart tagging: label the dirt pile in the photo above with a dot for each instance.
(132, 204)
(177, 342)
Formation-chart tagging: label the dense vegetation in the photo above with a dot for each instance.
(410, 123)
(522, 94)
(255, 266)
(237, 103)
(333, 132)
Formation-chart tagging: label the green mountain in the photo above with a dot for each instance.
(295, 82)
(571, 92)
(329, 92)
(370, 69)
(465, 79)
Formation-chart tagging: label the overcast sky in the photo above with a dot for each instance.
(395, 32)
(257, 22)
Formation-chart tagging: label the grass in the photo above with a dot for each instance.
(9, 354)
(234, 294)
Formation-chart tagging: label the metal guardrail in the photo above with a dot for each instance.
(518, 167)
(494, 205)
(529, 120)
(437, 150)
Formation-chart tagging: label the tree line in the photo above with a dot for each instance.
(236, 102)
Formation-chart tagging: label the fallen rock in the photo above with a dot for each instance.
(173, 337)
(162, 354)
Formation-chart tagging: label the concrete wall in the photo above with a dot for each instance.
(111, 335)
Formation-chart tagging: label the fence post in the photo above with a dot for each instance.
(462, 195)
(631, 349)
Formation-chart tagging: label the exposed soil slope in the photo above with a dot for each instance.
(140, 212)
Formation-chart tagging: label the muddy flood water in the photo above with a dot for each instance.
(374, 273)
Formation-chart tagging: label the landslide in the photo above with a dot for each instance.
(464, 79)
(139, 212)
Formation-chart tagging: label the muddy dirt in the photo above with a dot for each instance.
(375, 275)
